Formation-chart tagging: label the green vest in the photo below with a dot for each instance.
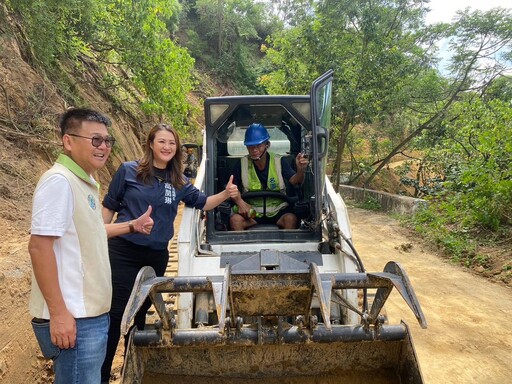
(275, 182)
(85, 243)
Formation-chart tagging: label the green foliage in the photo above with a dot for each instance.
(127, 41)
(501, 89)
(51, 27)
(141, 40)
(371, 203)
(290, 13)
(386, 75)
(225, 36)
(425, 182)
(373, 56)
(476, 157)
(285, 60)
(437, 225)
(475, 38)
(474, 196)
(381, 67)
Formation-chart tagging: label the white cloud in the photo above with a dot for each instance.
(444, 10)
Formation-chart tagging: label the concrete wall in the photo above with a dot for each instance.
(388, 201)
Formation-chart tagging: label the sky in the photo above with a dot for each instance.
(444, 10)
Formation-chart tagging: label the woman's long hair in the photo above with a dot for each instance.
(174, 168)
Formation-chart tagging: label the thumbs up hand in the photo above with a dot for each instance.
(144, 223)
(232, 189)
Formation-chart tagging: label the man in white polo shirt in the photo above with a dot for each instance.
(71, 284)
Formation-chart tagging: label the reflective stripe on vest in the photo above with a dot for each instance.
(275, 182)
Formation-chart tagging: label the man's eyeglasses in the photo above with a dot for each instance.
(96, 141)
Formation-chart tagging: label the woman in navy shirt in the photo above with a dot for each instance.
(155, 181)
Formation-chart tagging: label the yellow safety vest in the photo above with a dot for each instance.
(275, 182)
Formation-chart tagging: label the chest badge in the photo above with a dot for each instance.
(92, 201)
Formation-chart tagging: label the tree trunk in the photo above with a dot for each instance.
(221, 26)
(340, 147)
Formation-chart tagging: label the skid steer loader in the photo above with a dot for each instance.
(267, 304)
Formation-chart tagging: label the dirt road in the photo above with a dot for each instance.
(468, 339)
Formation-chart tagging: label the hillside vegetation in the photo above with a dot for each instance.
(448, 123)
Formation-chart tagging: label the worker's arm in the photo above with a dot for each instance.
(142, 224)
(301, 162)
(44, 264)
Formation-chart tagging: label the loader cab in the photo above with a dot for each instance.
(295, 124)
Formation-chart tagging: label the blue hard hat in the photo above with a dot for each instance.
(256, 134)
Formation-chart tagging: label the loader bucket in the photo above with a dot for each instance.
(285, 343)
(354, 358)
